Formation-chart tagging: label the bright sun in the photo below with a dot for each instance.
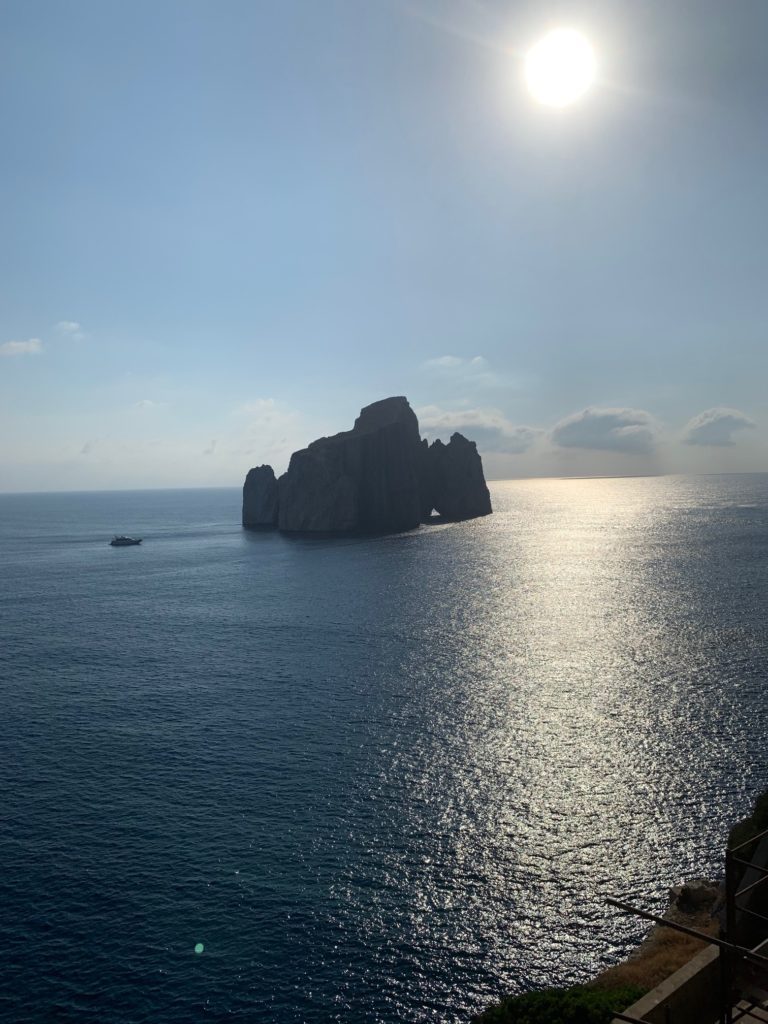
(560, 68)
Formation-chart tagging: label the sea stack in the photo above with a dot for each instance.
(456, 484)
(379, 477)
(260, 498)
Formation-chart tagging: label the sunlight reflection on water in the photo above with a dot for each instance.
(579, 729)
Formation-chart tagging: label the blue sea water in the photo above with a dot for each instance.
(379, 780)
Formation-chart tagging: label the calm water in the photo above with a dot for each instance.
(380, 780)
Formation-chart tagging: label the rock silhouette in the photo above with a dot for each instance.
(260, 498)
(379, 477)
(456, 484)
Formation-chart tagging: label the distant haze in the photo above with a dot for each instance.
(227, 227)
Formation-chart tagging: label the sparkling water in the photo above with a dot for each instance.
(254, 777)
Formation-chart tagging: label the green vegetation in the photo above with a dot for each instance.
(576, 1005)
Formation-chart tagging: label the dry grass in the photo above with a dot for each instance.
(662, 953)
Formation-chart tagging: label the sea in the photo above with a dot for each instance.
(264, 778)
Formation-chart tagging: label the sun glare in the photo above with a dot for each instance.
(560, 68)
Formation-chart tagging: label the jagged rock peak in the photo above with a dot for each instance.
(386, 412)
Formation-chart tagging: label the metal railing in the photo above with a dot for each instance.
(743, 967)
(747, 983)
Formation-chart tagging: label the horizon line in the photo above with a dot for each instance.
(495, 480)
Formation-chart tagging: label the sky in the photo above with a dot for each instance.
(227, 225)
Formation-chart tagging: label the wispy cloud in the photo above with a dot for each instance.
(442, 363)
(21, 348)
(617, 430)
(147, 403)
(471, 372)
(264, 410)
(70, 329)
(492, 430)
(450, 364)
(715, 427)
(271, 429)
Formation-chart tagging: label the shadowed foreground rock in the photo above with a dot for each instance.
(379, 477)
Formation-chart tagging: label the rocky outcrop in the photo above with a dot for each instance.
(695, 895)
(456, 485)
(260, 501)
(379, 477)
(364, 479)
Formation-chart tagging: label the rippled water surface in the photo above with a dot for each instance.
(379, 780)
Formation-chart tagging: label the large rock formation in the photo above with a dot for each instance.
(456, 484)
(260, 498)
(379, 477)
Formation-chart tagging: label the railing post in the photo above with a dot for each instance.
(726, 957)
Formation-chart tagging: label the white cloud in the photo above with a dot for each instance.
(617, 430)
(716, 426)
(489, 427)
(146, 403)
(70, 329)
(469, 372)
(265, 410)
(443, 363)
(21, 348)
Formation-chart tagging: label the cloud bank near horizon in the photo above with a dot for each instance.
(633, 431)
(716, 427)
(489, 427)
(139, 443)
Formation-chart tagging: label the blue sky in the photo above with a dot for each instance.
(228, 225)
